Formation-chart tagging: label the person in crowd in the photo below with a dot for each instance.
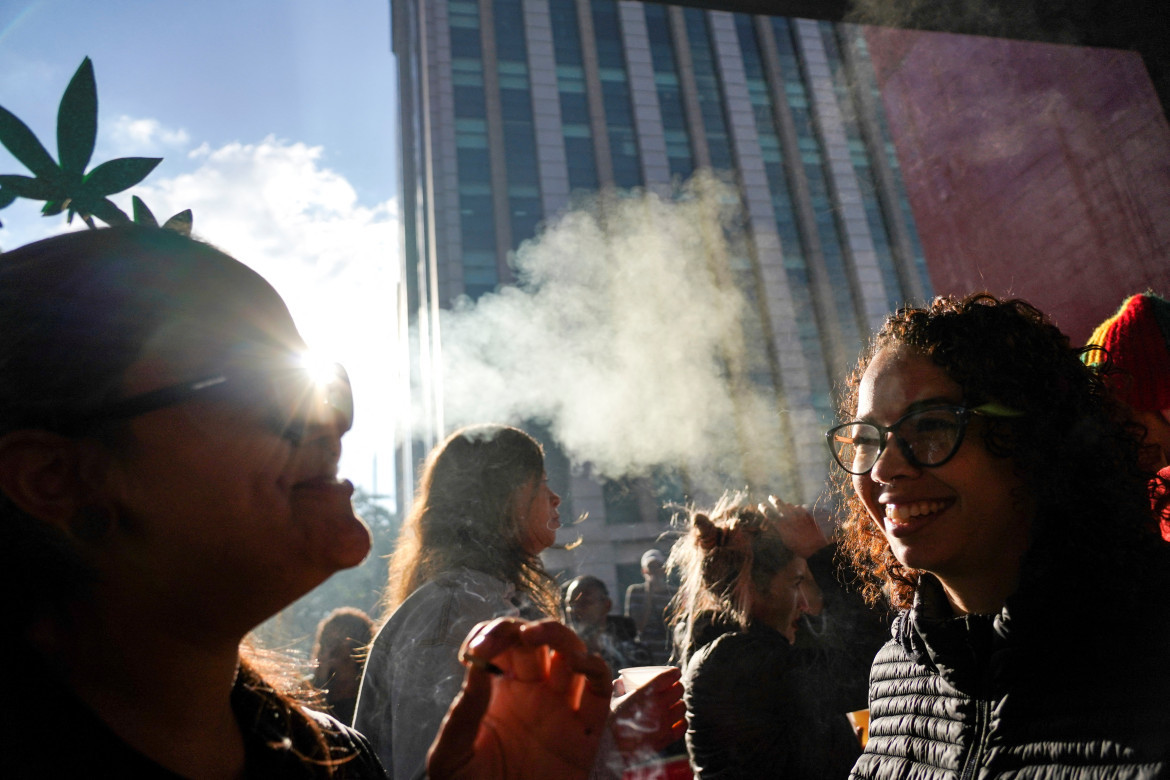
(469, 551)
(339, 653)
(613, 637)
(991, 479)
(754, 704)
(647, 603)
(1132, 350)
(168, 480)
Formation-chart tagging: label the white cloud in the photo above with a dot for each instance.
(334, 260)
(142, 137)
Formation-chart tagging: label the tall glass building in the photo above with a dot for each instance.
(510, 108)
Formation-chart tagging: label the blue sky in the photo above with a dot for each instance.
(276, 121)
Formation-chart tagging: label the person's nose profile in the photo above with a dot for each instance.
(891, 463)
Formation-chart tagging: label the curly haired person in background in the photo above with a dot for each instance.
(996, 499)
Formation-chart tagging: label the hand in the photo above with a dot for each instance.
(798, 529)
(649, 718)
(533, 705)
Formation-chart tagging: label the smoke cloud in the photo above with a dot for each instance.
(623, 336)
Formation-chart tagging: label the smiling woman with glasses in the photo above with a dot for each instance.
(995, 498)
(926, 437)
(169, 480)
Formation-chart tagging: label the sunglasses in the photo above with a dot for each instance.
(291, 396)
(927, 438)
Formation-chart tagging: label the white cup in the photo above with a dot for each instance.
(634, 677)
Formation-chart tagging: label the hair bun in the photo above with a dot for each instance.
(710, 535)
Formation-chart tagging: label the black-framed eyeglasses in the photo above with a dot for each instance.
(927, 437)
(291, 395)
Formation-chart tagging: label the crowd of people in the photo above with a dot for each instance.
(169, 479)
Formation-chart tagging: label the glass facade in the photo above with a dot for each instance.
(575, 127)
(473, 160)
(812, 160)
(843, 86)
(686, 76)
(784, 212)
(710, 90)
(670, 102)
(516, 109)
(850, 35)
(615, 93)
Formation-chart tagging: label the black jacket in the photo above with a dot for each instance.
(53, 734)
(756, 709)
(1019, 696)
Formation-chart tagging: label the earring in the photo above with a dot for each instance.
(92, 524)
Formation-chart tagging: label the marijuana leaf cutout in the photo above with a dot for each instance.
(66, 186)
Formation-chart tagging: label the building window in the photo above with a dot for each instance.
(524, 207)
(622, 504)
(824, 213)
(710, 90)
(615, 93)
(784, 213)
(679, 153)
(575, 125)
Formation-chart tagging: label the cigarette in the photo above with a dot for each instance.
(467, 659)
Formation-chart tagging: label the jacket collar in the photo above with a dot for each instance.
(956, 646)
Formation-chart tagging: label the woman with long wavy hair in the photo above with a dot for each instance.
(468, 551)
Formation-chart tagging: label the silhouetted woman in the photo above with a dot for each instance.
(168, 480)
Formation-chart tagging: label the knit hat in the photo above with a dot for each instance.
(1137, 340)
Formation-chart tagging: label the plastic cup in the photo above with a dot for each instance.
(860, 720)
(634, 677)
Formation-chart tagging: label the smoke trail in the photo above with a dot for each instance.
(623, 335)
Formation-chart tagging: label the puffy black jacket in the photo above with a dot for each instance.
(976, 697)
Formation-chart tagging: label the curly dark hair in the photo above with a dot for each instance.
(1071, 444)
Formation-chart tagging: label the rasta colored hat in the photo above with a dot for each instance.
(1137, 342)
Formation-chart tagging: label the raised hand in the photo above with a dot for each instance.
(534, 705)
(797, 527)
(649, 718)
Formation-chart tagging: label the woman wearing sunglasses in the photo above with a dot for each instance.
(995, 499)
(168, 480)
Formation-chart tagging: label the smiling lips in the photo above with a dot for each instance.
(904, 513)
